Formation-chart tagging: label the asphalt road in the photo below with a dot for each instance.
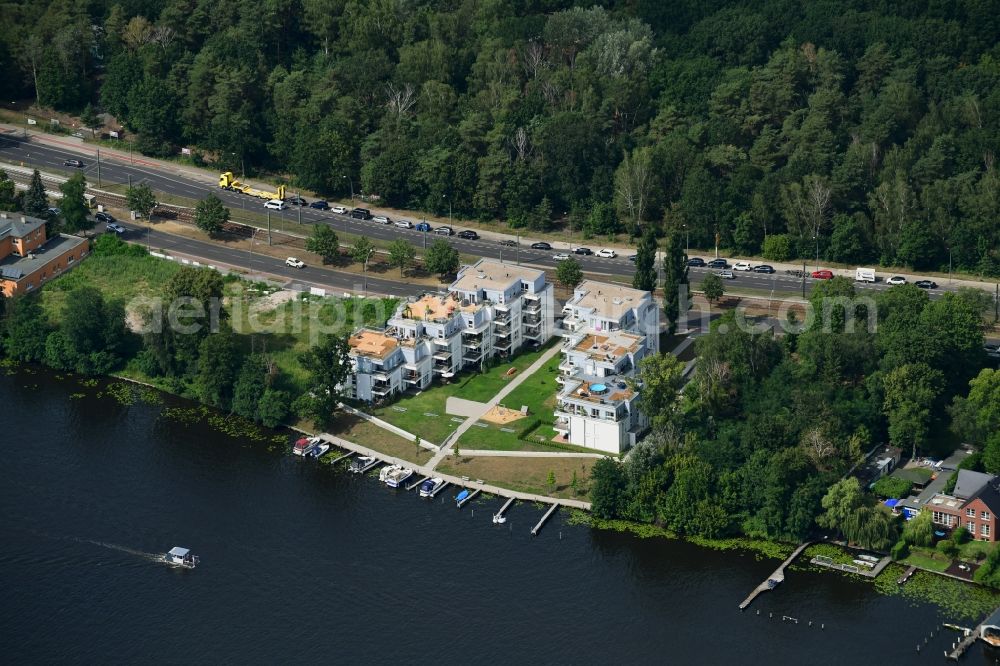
(33, 154)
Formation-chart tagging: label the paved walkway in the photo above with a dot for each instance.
(455, 406)
(493, 402)
(478, 453)
(428, 470)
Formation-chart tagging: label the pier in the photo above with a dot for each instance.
(442, 487)
(775, 578)
(958, 649)
(413, 485)
(538, 528)
(499, 514)
(466, 500)
(906, 576)
(343, 457)
(368, 466)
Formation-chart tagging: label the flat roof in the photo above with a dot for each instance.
(372, 343)
(615, 344)
(14, 267)
(610, 301)
(493, 275)
(432, 307)
(609, 390)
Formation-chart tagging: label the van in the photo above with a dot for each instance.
(864, 275)
(275, 204)
(361, 214)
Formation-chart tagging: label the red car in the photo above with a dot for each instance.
(822, 275)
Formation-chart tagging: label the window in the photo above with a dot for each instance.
(984, 530)
(985, 515)
(971, 513)
(972, 528)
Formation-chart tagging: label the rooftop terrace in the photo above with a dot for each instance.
(611, 346)
(493, 275)
(372, 343)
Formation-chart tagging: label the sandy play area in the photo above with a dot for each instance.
(502, 415)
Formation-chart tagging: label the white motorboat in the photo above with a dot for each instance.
(305, 446)
(319, 450)
(181, 557)
(499, 520)
(362, 464)
(431, 486)
(394, 475)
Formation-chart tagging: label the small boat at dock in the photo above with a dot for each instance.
(498, 519)
(319, 450)
(305, 446)
(429, 487)
(181, 557)
(394, 475)
(462, 495)
(362, 464)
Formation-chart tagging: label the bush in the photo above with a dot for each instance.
(899, 551)
(889, 486)
(947, 547)
(960, 535)
(108, 245)
(528, 429)
(777, 247)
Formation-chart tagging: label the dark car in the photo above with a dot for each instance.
(468, 234)
(73, 163)
(507, 242)
(583, 250)
(697, 262)
(104, 217)
(361, 214)
(926, 284)
(718, 263)
(320, 205)
(422, 226)
(296, 200)
(633, 258)
(763, 268)
(444, 231)
(541, 246)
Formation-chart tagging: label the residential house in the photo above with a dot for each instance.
(376, 366)
(973, 504)
(28, 258)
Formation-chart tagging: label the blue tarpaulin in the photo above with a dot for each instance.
(891, 502)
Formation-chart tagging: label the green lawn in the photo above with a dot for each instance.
(926, 561)
(410, 411)
(357, 430)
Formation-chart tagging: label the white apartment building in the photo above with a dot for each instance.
(608, 329)
(376, 366)
(491, 310)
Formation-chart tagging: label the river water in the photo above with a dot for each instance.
(303, 563)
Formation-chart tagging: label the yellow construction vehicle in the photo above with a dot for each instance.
(228, 182)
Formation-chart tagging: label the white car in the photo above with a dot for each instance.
(742, 266)
(896, 279)
(295, 263)
(115, 228)
(562, 256)
(606, 253)
(339, 210)
(726, 275)
(381, 219)
(275, 204)
(403, 224)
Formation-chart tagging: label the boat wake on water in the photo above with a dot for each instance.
(152, 557)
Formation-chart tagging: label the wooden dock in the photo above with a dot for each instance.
(964, 644)
(503, 509)
(538, 528)
(775, 578)
(339, 458)
(373, 463)
(906, 576)
(462, 503)
(440, 488)
(416, 483)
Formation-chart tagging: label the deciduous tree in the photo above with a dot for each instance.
(210, 215)
(324, 242)
(401, 254)
(441, 258)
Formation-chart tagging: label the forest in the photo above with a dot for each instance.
(859, 131)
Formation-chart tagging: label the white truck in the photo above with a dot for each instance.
(864, 275)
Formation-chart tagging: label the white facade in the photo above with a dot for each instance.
(609, 329)
(491, 310)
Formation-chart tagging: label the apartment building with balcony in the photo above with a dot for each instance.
(607, 330)
(377, 362)
(429, 331)
(507, 308)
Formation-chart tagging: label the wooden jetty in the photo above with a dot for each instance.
(906, 576)
(416, 483)
(462, 503)
(775, 578)
(964, 644)
(343, 457)
(374, 463)
(538, 528)
(503, 509)
(959, 649)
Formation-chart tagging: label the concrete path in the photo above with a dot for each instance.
(479, 453)
(428, 470)
(494, 401)
(467, 408)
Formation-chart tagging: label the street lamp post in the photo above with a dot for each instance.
(350, 183)
(687, 240)
(816, 238)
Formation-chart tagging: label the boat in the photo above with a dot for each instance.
(319, 450)
(394, 475)
(498, 519)
(362, 464)
(181, 557)
(305, 445)
(431, 486)
(462, 496)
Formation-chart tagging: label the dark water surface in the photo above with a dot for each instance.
(301, 563)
